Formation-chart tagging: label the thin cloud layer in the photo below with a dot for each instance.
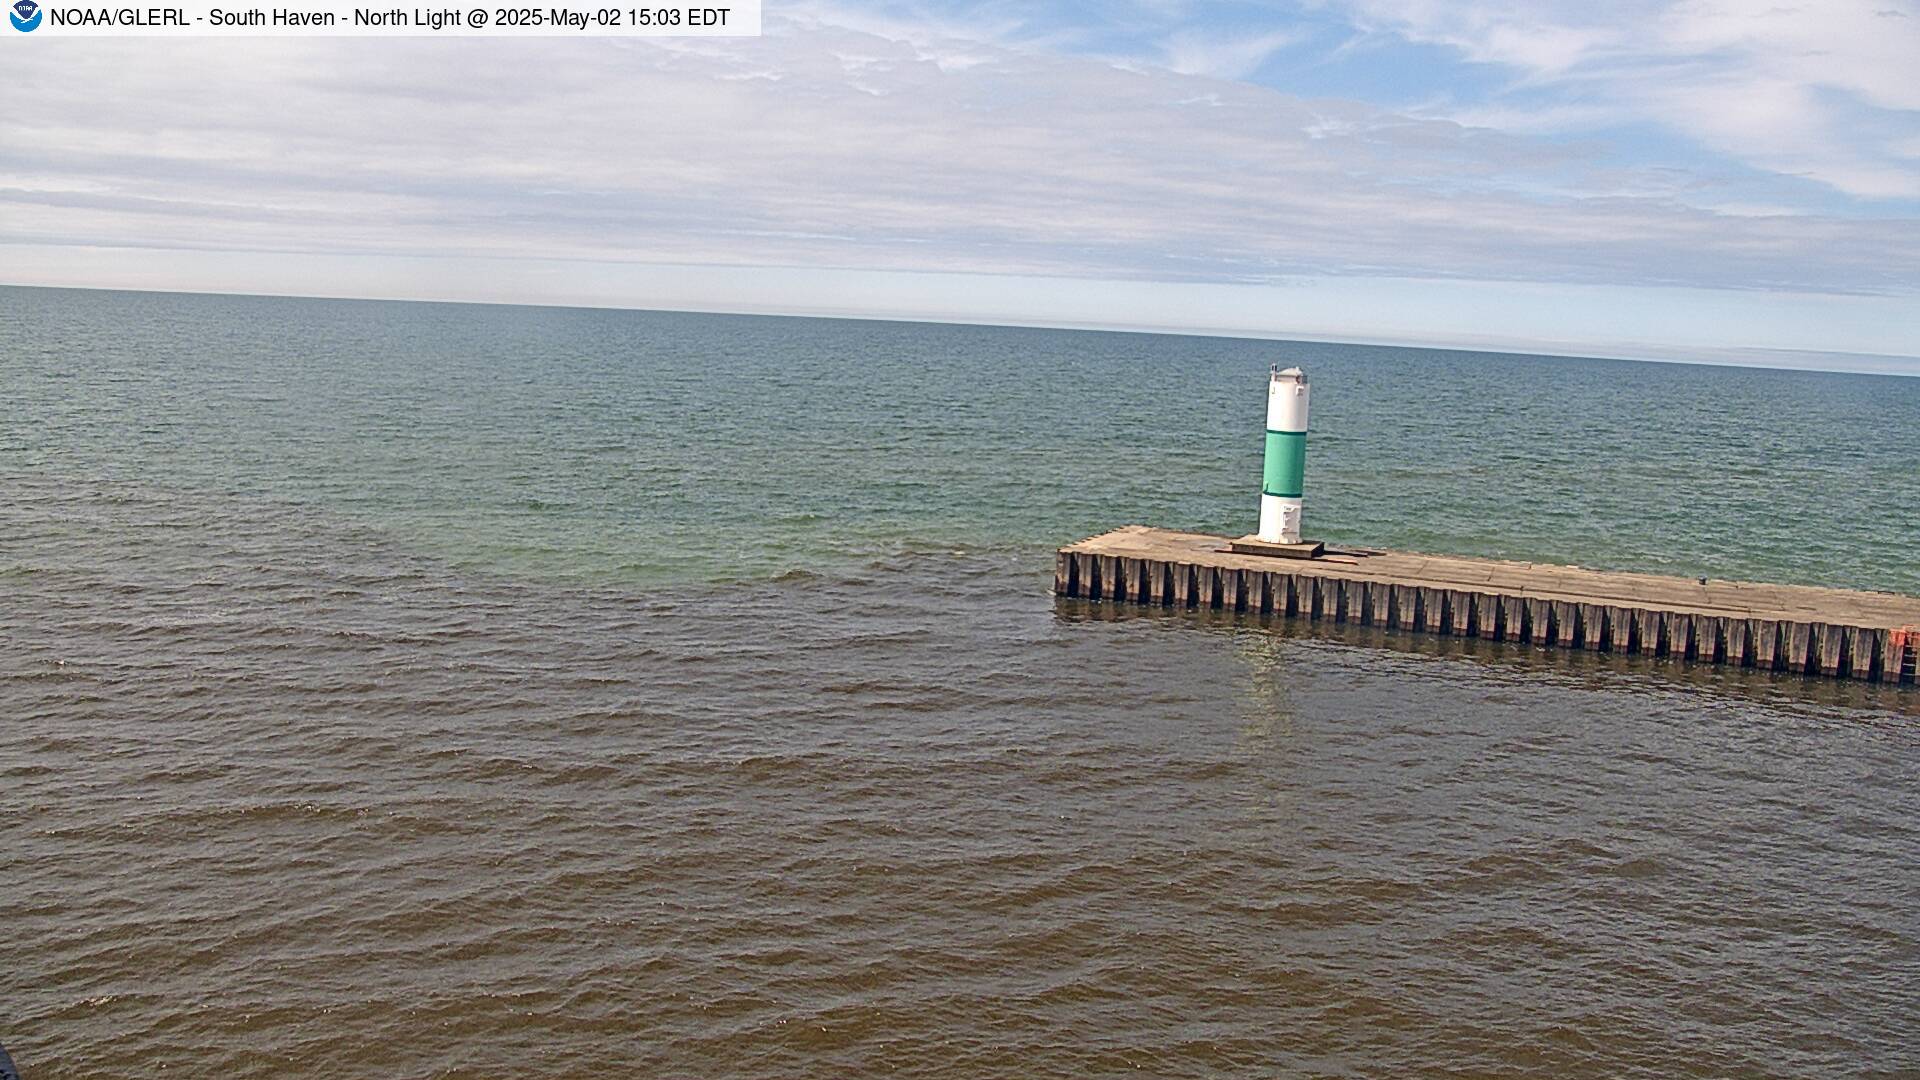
(827, 145)
(1822, 91)
(1821, 94)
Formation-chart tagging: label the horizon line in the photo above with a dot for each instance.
(1704, 357)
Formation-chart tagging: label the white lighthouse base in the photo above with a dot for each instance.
(1279, 519)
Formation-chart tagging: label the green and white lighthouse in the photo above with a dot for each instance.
(1281, 488)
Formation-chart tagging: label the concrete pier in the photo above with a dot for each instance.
(1831, 632)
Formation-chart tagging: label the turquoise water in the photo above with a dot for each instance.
(403, 690)
(649, 447)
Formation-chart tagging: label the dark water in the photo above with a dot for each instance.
(405, 690)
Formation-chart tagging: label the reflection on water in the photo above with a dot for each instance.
(1599, 670)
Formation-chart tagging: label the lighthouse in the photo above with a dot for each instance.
(1281, 487)
(1282, 481)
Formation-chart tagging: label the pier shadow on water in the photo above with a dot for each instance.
(1585, 668)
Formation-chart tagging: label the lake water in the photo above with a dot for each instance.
(426, 690)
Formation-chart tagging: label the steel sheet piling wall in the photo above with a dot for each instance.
(1830, 649)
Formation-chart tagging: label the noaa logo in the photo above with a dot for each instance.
(26, 15)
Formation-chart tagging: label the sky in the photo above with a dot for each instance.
(1721, 181)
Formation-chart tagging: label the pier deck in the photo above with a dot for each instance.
(1832, 632)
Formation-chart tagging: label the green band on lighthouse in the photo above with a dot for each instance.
(1286, 463)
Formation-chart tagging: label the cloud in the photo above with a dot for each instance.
(827, 146)
(1821, 91)
(1223, 55)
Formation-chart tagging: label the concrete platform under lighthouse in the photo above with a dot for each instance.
(1253, 545)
